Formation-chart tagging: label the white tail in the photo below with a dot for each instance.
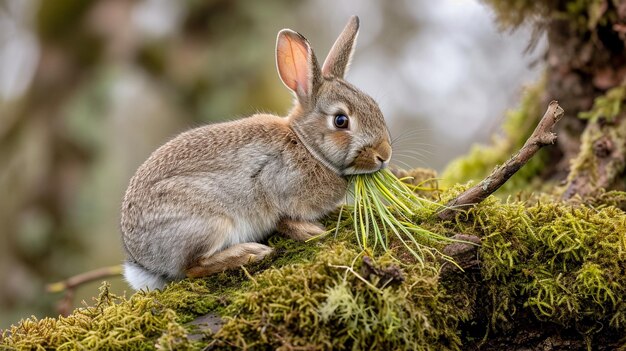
(140, 278)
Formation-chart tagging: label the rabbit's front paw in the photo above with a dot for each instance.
(299, 230)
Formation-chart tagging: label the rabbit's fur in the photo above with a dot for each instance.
(201, 203)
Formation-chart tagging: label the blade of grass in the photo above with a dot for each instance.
(384, 206)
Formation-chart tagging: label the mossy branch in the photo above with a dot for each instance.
(542, 136)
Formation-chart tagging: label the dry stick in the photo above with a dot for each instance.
(542, 136)
(70, 284)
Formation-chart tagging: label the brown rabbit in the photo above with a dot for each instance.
(201, 203)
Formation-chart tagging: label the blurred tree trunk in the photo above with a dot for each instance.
(586, 70)
(587, 59)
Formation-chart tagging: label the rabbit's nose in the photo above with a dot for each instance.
(383, 151)
(383, 163)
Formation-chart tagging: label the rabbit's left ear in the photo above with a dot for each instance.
(297, 65)
(340, 55)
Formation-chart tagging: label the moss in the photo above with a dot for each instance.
(515, 12)
(585, 14)
(542, 261)
(610, 198)
(147, 320)
(113, 323)
(601, 157)
(607, 107)
(329, 304)
(482, 159)
(564, 263)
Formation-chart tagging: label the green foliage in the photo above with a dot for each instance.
(57, 21)
(607, 106)
(482, 159)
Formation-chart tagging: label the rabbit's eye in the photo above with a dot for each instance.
(342, 121)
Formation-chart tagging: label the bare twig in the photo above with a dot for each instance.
(542, 136)
(70, 284)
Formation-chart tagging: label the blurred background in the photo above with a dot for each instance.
(89, 88)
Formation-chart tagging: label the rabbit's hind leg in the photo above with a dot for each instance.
(299, 230)
(232, 257)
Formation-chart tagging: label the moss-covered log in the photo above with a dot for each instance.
(552, 276)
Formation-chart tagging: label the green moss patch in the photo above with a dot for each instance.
(331, 303)
(607, 107)
(143, 321)
(565, 263)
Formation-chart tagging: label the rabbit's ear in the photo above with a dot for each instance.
(339, 57)
(297, 65)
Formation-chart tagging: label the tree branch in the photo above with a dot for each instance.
(542, 135)
(70, 284)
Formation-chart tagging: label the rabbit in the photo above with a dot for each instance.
(202, 202)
